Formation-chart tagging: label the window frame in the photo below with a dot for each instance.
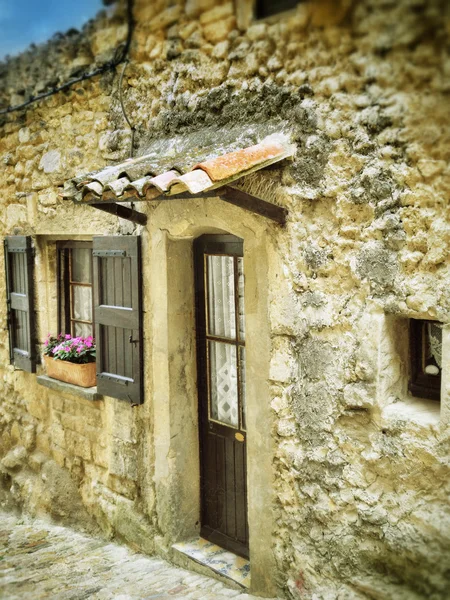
(262, 11)
(65, 285)
(420, 383)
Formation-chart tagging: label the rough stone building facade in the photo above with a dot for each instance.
(347, 471)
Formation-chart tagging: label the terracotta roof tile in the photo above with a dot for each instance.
(232, 163)
(93, 187)
(195, 182)
(165, 180)
(118, 186)
(136, 177)
(140, 185)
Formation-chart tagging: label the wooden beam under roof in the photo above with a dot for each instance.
(124, 212)
(229, 194)
(254, 204)
(238, 198)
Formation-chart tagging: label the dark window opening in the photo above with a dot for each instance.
(75, 302)
(267, 8)
(426, 359)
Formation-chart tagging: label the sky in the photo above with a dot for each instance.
(25, 21)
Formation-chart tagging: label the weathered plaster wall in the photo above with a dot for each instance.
(360, 469)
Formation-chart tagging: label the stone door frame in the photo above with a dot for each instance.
(172, 364)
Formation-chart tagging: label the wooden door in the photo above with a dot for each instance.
(221, 382)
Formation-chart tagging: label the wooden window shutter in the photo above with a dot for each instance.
(19, 262)
(117, 286)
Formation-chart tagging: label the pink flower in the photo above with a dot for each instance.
(88, 343)
(67, 336)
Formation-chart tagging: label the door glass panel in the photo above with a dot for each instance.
(81, 265)
(82, 302)
(240, 270)
(242, 384)
(223, 383)
(221, 299)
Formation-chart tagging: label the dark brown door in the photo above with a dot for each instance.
(221, 379)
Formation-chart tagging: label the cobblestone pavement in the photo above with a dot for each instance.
(39, 560)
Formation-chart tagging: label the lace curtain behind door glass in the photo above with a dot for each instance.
(223, 357)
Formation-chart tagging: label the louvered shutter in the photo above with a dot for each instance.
(19, 263)
(118, 317)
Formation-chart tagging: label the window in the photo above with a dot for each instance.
(426, 359)
(267, 8)
(75, 288)
(103, 278)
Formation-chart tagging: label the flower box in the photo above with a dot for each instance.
(83, 375)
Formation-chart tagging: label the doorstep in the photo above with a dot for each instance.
(224, 563)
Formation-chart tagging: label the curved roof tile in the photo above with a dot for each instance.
(151, 175)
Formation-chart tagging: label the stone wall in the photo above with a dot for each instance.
(360, 468)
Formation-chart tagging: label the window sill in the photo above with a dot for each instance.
(417, 410)
(68, 388)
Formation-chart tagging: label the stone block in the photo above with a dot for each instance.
(187, 30)
(39, 181)
(165, 18)
(24, 135)
(50, 161)
(217, 13)
(15, 433)
(122, 486)
(123, 459)
(91, 415)
(36, 460)
(28, 436)
(15, 458)
(58, 456)
(57, 435)
(286, 428)
(57, 403)
(15, 215)
(100, 456)
(38, 407)
(123, 423)
(358, 395)
(281, 366)
(195, 7)
(257, 31)
(218, 31)
(43, 443)
(78, 445)
(221, 49)
(48, 198)
(71, 422)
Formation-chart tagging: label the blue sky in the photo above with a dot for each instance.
(25, 21)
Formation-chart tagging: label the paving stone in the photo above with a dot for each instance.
(40, 561)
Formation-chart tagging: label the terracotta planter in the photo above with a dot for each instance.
(82, 375)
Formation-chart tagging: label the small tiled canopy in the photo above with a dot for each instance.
(147, 177)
